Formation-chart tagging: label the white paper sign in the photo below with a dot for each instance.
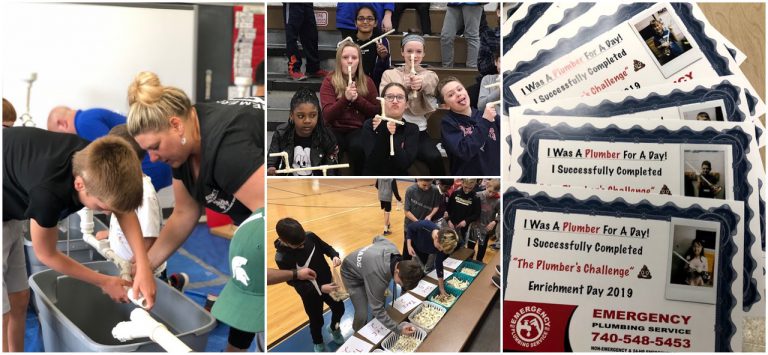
(406, 303)
(374, 331)
(451, 263)
(424, 288)
(355, 345)
(446, 273)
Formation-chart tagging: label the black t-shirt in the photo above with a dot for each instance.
(232, 135)
(37, 175)
(302, 150)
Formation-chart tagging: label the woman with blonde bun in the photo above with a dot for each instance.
(216, 151)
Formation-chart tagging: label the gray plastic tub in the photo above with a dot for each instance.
(70, 243)
(77, 317)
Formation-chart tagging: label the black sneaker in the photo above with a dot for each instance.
(496, 280)
(179, 281)
(210, 300)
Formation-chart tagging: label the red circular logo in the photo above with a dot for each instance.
(529, 326)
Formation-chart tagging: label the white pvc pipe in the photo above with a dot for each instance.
(377, 38)
(142, 325)
(324, 168)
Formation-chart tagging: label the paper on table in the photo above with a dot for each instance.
(446, 273)
(374, 331)
(424, 288)
(355, 345)
(406, 303)
(451, 263)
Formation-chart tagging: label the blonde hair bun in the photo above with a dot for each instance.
(145, 89)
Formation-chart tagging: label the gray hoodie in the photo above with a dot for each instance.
(369, 268)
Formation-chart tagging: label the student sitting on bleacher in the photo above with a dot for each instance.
(471, 137)
(376, 58)
(490, 94)
(376, 133)
(304, 137)
(421, 100)
(348, 101)
(346, 16)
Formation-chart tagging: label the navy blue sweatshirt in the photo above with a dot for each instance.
(420, 234)
(473, 144)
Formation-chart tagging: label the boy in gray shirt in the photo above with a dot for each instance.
(422, 201)
(367, 273)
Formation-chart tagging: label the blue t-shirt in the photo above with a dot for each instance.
(96, 122)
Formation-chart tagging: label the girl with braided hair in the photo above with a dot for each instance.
(304, 137)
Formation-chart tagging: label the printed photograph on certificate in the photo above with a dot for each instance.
(666, 41)
(704, 173)
(705, 111)
(692, 266)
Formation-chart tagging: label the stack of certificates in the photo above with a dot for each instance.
(633, 220)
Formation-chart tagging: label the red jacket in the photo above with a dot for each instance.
(344, 116)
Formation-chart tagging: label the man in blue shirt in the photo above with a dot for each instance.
(96, 122)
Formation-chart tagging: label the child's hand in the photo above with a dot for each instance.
(101, 235)
(461, 224)
(408, 330)
(490, 113)
(381, 50)
(416, 82)
(411, 251)
(375, 122)
(144, 286)
(306, 274)
(271, 171)
(114, 287)
(391, 126)
(328, 288)
(351, 92)
(336, 261)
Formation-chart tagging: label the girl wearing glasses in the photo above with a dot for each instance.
(376, 58)
(348, 98)
(379, 159)
(420, 88)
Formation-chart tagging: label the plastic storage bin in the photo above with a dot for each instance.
(70, 243)
(461, 277)
(77, 317)
(427, 305)
(389, 342)
(470, 265)
(455, 293)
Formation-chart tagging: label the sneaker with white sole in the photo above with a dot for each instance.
(319, 348)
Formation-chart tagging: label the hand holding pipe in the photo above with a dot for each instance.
(414, 94)
(285, 158)
(324, 168)
(496, 84)
(699, 174)
(376, 39)
(385, 118)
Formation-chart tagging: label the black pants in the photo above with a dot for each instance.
(482, 245)
(351, 142)
(429, 154)
(421, 8)
(313, 305)
(300, 25)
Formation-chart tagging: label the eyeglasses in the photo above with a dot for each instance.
(393, 98)
(365, 19)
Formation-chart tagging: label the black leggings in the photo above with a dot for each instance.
(313, 306)
(239, 338)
